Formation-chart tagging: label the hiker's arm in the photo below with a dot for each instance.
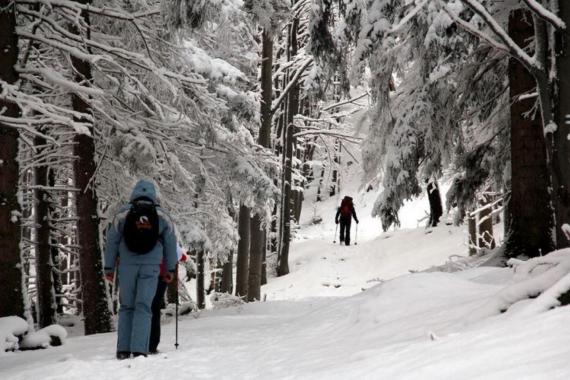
(170, 245)
(112, 246)
(337, 215)
(354, 215)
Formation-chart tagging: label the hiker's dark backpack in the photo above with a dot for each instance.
(346, 208)
(141, 226)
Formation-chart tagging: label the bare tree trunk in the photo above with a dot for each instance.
(242, 265)
(200, 291)
(283, 258)
(486, 238)
(255, 259)
(264, 259)
(335, 184)
(95, 308)
(287, 194)
(44, 263)
(435, 207)
(530, 229)
(11, 291)
(561, 149)
(472, 228)
(257, 233)
(227, 285)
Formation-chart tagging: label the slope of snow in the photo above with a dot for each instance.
(412, 327)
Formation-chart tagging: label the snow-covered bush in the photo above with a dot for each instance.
(11, 329)
(225, 300)
(15, 333)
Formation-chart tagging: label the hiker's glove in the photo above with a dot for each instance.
(336, 221)
(168, 277)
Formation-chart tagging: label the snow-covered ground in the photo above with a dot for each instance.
(387, 323)
(357, 312)
(412, 327)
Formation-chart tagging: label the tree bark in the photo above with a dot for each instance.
(95, 308)
(531, 217)
(11, 290)
(200, 291)
(242, 265)
(257, 234)
(255, 259)
(283, 257)
(287, 195)
(561, 149)
(435, 207)
(227, 285)
(44, 264)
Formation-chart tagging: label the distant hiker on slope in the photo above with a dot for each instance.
(140, 237)
(346, 212)
(158, 301)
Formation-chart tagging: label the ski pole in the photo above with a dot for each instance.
(176, 312)
(356, 235)
(335, 230)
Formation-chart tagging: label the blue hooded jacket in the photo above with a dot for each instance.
(165, 248)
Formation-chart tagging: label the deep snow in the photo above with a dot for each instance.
(402, 326)
(352, 312)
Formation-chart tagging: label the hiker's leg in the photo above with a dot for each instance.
(146, 289)
(342, 227)
(157, 304)
(347, 233)
(127, 293)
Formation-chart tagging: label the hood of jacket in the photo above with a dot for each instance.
(144, 188)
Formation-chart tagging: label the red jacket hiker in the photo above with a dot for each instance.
(344, 214)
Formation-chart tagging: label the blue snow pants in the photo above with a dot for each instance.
(137, 286)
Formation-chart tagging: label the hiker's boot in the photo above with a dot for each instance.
(122, 355)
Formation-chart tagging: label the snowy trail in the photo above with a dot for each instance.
(411, 327)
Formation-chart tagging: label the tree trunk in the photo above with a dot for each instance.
(530, 229)
(264, 138)
(95, 308)
(242, 265)
(283, 257)
(264, 259)
(287, 194)
(200, 291)
(255, 259)
(561, 149)
(11, 291)
(44, 263)
(227, 285)
(485, 233)
(257, 234)
(435, 207)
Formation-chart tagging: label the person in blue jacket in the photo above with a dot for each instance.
(138, 272)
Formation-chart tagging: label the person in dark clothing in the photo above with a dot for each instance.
(344, 215)
(158, 303)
